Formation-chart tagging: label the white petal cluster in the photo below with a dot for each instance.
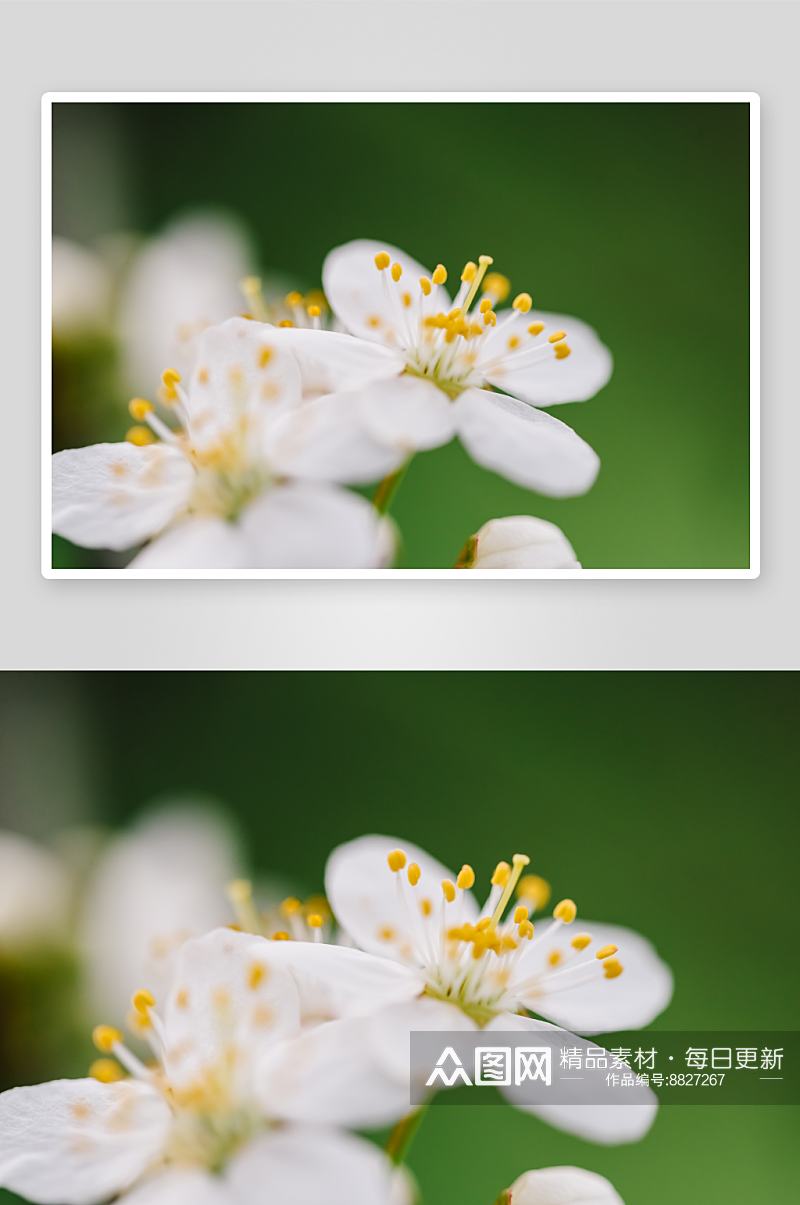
(35, 894)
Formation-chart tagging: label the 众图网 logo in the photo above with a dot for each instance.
(494, 1066)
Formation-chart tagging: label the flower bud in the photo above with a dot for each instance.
(522, 542)
(562, 1186)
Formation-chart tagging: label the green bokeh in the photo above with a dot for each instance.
(634, 217)
(666, 802)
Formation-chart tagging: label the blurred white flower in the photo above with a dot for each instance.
(189, 1129)
(35, 895)
(561, 1186)
(180, 282)
(436, 368)
(153, 887)
(82, 288)
(518, 542)
(219, 492)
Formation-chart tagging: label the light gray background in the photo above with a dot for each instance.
(399, 46)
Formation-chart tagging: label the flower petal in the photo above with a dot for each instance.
(76, 1142)
(525, 445)
(243, 374)
(630, 1001)
(308, 1165)
(35, 893)
(523, 542)
(607, 1124)
(116, 495)
(574, 379)
(355, 290)
(227, 993)
(331, 362)
(408, 414)
(327, 440)
(183, 1186)
(198, 543)
(364, 897)
(152, 888)
(306, 525)
(563, 1186)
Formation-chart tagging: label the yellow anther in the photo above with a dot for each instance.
(449, 890)
(426, 907)
(285, 322)
(406, 299)
(606, 951)
(440, 274)
(105, 1037)
(466, 877)
(182, 998)
(526, 929)
(171, 377)
(454, 313)
(554, 958)
(314, 311)
(581, 940)
(489, 318)
(612, 968)
(107, 1071)
(470, 272)
(256, 972)
(513, 342)
(139, 408)
(315, 920)
(536, 328)
(293, 299)
(534, 890)
(397, 272)
(473, 329)
(264, 356)
(556, 337)
(396, 859)
(507, 942)
(281, 936)
(425, 285)
(140, 437)
(382, 260)
(498, 285)
(239, 890)
(501, 874)
(565, 911)
(486, 304)
(520, 914)
(290, 906)
(562, 351)
(386, 933)
(522, 302)
(414, 873)
(240, 894)
(483, 924)
(142, 1000)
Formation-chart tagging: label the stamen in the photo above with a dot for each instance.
(314, 311)
(486, 304)
(449, 890)
(105, 1037)
(285, 322)
(140, 437)
(382, 260)
(139, 408)
(315, 922)
(557, 336)
(251, 287)
(397, 272)
(143, 1000)
(280, 936)
(526, 929)
(520, 914)
(293, 300)
(580, 941)
(566, 911)
(501, 874)
(107, 1071)
(396, 860)
(536, 328)
(470, 272)
(534, 890)
(466, 878)
(613, 968)
(240, 894)
(562, 351)
(519, 860)
(522, 302)
(606, 951)
(414, 873)
(554, 958)
(484, 261)
(425, 285)
(440, 275)
(498, 286)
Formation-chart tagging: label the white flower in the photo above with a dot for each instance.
(153, 887)
(178, 283)
(35, 895)
(441, 364)
(561, 1186)
(465, 968)
(518, 542)
(219, 493)
(189, 1131)
(81, 297)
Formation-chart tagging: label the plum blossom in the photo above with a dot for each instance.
(440, 363)
(224, 486)
(560, 1186)
(35, 895)
(518, 542)
(189, 1128)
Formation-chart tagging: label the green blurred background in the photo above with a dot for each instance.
(666, 802)
(634, 217)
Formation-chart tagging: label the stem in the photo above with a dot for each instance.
(387, 489)
(466, 557)
(403, 1133)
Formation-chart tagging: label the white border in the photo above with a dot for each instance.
(750, 98)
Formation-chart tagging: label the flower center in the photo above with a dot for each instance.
(460, 348)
